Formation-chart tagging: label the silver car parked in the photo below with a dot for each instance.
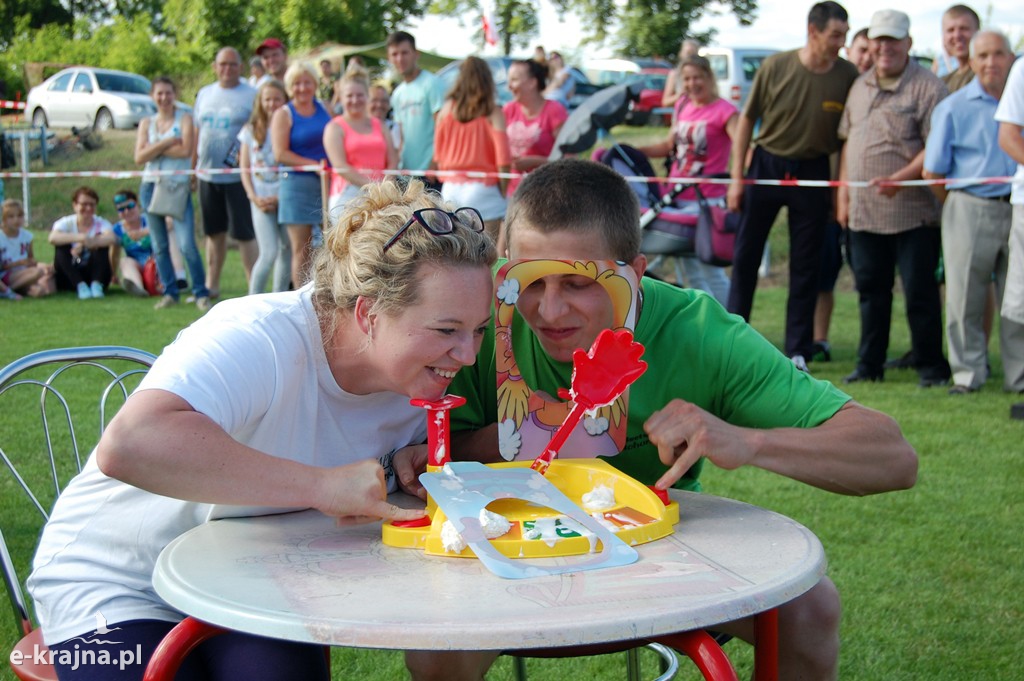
(734, 69)
(83, 96)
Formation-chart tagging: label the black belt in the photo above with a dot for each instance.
(1005, 198)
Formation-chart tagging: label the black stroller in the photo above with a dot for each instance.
(671, 228)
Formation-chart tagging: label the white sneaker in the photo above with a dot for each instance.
(133, 289)
(165, 302)
(800, 363)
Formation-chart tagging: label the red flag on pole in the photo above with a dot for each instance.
(490, 25)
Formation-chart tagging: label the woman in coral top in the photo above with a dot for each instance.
(531, 122)
(470, 138)
(356, 143)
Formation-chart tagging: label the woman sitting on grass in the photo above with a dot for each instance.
(20, 274)
(137, 271)
(250, 407)
(82, 241)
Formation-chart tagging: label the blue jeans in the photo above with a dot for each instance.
(185, 231)
(275, 253)
(704, 277)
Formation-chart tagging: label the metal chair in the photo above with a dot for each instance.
(701, 647)
(65, 385)
(667, 660)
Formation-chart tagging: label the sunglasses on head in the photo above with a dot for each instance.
(127, 206)
(439, 222)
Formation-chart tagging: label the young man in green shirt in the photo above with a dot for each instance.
(715, 389)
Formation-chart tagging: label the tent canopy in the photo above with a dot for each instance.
(336, 52)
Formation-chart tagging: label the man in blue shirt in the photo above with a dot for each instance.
(415, 101)
(976, 217)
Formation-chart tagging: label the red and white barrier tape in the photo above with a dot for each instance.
(11, 104)
(478, 175)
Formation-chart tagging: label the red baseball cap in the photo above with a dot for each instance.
(270, 44)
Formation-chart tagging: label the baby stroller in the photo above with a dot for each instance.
(702, 228)
(671, 227)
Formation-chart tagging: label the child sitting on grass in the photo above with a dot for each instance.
(19, 271)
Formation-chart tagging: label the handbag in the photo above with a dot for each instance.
(716, 233)
(170, 197)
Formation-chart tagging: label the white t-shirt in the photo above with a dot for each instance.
(1011, 110)
(69, 225)
(219, 115)
(14, 248)
(256, 366)
(265, 182)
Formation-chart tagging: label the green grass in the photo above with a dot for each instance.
(931, 577)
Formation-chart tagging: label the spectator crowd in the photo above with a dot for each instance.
(247, 407)
(871, 121)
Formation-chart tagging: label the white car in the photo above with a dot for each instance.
(734, 69)
(83, 96)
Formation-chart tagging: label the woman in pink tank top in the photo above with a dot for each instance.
(356, 143)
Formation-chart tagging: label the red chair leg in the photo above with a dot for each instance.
(705, 653)
(178, 643)
(766, 646)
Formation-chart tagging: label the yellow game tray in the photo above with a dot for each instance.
(639, 515)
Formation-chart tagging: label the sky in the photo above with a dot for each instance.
(777, 26)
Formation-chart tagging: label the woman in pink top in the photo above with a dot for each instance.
(470, 137)
(700, 142)
(531, 122)
(356, 143)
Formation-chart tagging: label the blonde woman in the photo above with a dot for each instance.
(470, 137)
(252, 405)
(356, 142)
(255, 156)
(297, 135)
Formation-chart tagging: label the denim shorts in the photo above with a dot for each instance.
(299, 201)
(486, 198)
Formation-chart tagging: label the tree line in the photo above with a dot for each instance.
(152, 37)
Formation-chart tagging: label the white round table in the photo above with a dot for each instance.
(300, 577)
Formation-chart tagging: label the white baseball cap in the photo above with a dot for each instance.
(889, 23)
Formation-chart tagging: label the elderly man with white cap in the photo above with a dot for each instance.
(885, 124)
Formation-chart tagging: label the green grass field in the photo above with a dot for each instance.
(931, 577)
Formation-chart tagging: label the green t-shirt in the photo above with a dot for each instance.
(695, 351)
(799, 110)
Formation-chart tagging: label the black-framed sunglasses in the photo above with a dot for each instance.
(127, 206)
(440, 222)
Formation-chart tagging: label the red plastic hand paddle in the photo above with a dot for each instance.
(598, 378)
